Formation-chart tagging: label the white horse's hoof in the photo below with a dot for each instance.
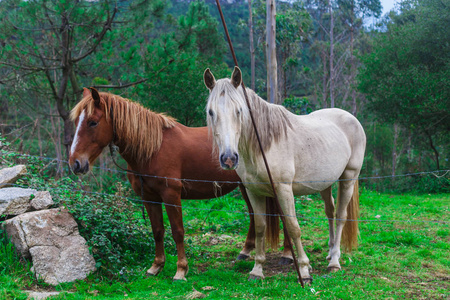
(252, 277)
(285, 261)
(307, 281)
(333, 269)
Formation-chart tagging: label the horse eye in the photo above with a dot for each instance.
(92, 124)
(211, 113)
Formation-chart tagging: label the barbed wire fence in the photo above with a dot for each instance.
(80, 189)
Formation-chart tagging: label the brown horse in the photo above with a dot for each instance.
(155, 144)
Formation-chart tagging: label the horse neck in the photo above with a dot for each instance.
(271, 122)
(139, 135)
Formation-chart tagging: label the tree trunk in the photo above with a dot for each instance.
(436, 153)
(394, 149)
(272, 84)
(352, 61)
(324, 80)
(252, 46)
(332, 75)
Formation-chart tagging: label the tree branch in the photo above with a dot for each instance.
(120, 86)
(106, 27)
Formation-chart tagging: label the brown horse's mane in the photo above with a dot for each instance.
(138, 128)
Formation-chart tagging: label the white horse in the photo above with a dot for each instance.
(306, 154)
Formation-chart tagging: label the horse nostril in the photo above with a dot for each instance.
(77, 166)
(86, 168)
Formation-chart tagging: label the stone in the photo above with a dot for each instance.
(15, 201)
(32, 295)
(41, 200)
(51, 238)
(9, 176)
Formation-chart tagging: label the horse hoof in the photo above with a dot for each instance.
(333, 269)
(242, 257)
(284, 261)
(152, 273)
(252, 277)
(154, 270)
(179, 279)
(307, 281)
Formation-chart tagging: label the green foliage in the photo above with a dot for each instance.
(176, 62)
(298, 106)
(406, 77)
(120, 241)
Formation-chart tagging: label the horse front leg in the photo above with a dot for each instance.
(287, 204)
(154, 211)
(250, 240)
(172, 200)
(259, 208)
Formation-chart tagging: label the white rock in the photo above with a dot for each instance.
(15, 201)
(42, 200)
(51, 238)
(10, 175)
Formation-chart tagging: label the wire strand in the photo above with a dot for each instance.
(237, 182)
(233, 211)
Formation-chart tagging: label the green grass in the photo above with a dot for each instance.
(394, 260)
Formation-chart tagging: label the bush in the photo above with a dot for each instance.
(112, 225)
(431, 183)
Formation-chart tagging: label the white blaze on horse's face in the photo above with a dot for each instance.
(76, 137)
(93, 133)
(224, 116)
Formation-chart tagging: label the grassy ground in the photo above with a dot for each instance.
(394, 260)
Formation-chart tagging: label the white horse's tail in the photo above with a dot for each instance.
(273, 223)
(350, 232)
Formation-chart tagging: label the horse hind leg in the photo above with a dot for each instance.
(154, 211)
(173, 208)
(329, 211)
(249, 245)
(250, 240)
(347, 202)
(286, 257)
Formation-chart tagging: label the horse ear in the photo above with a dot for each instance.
(95, 96)
(86, 92)
(208, 79)
(236, 77)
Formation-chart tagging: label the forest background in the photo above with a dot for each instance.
(394, 75)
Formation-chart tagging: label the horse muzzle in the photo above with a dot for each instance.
(229, 160)
(79, 168)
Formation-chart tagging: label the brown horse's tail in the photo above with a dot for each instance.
(350, 231)
(273, 223)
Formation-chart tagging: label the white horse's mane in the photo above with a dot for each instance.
(272, 121)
